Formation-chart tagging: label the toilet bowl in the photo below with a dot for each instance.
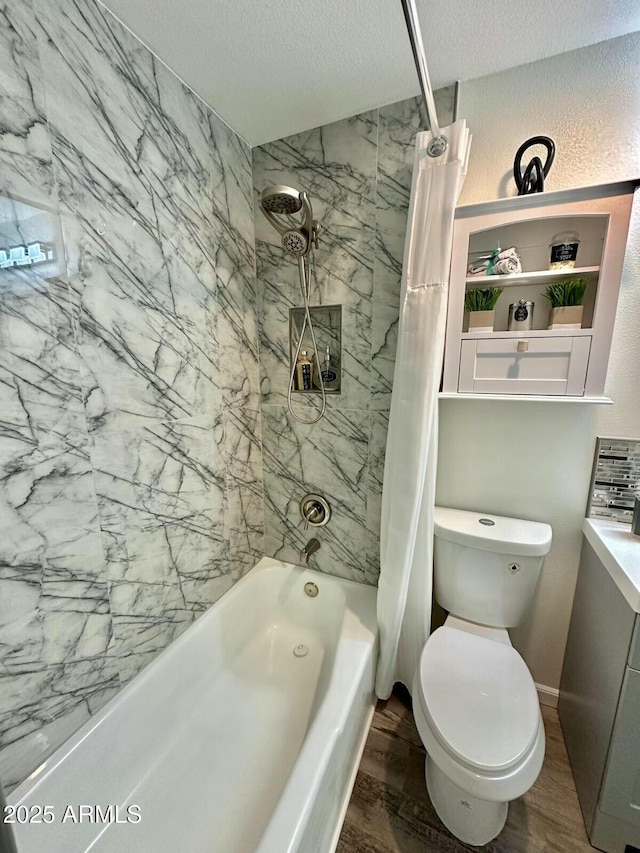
(474, 701)
(476, 709)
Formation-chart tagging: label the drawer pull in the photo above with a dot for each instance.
(523, 346)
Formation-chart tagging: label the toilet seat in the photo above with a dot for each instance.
(479, 700)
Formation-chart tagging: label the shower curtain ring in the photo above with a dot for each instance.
(437, 146)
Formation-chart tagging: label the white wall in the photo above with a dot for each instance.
(534, 459)
(587, 100)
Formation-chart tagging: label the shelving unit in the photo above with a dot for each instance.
(540, 364)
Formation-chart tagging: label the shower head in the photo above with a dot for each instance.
(280, 200)
(295, 242)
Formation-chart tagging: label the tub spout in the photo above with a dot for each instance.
(309, 550)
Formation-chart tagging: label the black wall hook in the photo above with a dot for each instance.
(532, 179)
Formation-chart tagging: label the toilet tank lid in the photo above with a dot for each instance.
(493, 532)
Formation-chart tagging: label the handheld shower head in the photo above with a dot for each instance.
(278, 204)
(280, 200)
(295, 242)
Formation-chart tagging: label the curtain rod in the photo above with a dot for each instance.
(438, 142)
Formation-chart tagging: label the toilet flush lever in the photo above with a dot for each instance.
(523, 346)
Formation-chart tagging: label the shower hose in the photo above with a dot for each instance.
(303, 268)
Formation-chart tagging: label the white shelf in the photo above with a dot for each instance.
(547, 199)
(532, 333)
(536, 277)
(526, 398)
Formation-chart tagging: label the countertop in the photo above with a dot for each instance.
(619, 551)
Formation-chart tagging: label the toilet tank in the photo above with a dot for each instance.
(486, 566)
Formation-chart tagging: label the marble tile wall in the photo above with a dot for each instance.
(130, 438)
(358, 175)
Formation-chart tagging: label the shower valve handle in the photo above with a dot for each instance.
(314, 510)
(310, 515)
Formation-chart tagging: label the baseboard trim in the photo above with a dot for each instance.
(548, 695)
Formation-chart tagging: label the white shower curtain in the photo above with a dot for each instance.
(408, 495)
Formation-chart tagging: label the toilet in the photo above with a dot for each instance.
(474, 701)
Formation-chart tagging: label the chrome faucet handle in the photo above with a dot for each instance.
(310, 515)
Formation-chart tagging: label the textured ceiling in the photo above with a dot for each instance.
(275, 67)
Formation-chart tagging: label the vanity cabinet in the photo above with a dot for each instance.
(542, 362)
(621, 784)
(599, 703)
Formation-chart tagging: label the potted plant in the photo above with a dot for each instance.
(479, 304)
(566, 303)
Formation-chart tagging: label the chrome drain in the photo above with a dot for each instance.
(300, 651)
(311, 589)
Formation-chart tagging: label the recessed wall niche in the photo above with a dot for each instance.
(327, 324)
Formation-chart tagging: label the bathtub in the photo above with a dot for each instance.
(242, 737)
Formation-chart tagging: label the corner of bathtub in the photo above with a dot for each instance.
(267, 563)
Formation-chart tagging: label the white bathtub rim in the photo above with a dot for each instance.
(44, 770)
(292, 813)
(346, 799)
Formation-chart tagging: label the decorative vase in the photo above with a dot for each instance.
(481, 321)
(566, 317)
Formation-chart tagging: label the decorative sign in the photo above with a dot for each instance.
(25, 256)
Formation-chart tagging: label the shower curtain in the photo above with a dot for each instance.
(408, 494)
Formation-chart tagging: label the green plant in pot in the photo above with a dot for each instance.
(566, 297)
(479, 304)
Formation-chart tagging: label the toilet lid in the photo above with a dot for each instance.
(479, 699)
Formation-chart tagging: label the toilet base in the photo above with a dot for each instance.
(471, 820)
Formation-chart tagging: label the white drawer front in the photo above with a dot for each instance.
(555, 366)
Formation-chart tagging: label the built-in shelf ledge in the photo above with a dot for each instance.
(528, 398)
(532, 333)
(531, 201)
(535, 277)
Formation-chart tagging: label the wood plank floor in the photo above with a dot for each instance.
(390, 811)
